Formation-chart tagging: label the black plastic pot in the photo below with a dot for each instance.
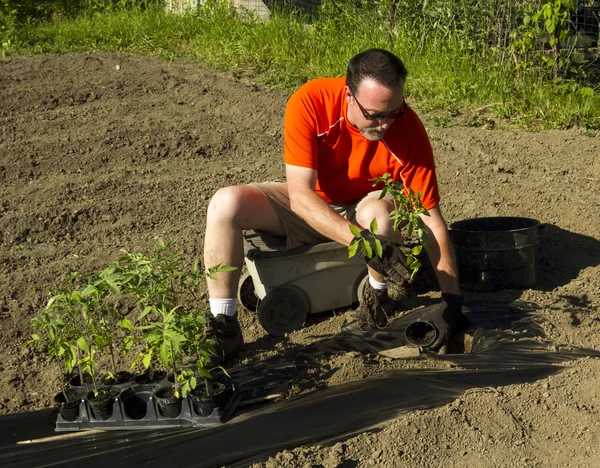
(135, 401)
(75, 380)
(496, 253)
(68, 402)
(421, 334)
(146, 378)
(120, 378)
(204, 404)
(169, 405)
(101, 405)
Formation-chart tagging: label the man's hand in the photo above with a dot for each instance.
(448, 319)
(391, 264)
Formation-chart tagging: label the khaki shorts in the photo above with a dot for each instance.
(298, 231)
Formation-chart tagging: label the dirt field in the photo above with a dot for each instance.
(101, 153)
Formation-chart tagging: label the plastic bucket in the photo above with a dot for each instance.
(496, 253)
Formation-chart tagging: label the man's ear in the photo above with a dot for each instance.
(348, 94)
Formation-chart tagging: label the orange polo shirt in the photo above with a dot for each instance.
(318, 135)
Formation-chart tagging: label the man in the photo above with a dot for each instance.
(339, 134)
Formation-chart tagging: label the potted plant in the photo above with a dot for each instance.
(84, 311)
(55, 335)
(205, 398)
(180, 336)
(139, 305)
(163, 337)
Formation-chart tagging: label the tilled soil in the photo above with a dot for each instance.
(105, 153)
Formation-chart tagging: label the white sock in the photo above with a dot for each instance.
(376, 284)
(222, 306)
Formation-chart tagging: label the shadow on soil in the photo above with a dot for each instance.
(562, 255)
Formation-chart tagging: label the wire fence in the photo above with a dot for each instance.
(494, 18)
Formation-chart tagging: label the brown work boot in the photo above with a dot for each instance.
(227, 337)
(373, 311)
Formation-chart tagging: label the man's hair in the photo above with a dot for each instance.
(377, 64)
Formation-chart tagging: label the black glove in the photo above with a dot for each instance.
(448, 319)
(392, 264)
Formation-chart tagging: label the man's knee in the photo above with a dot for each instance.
(245, 207)
(226, 203)
(375, 209)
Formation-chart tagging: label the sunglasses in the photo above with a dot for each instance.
(378, 116)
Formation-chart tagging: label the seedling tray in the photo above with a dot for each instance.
(135, 407)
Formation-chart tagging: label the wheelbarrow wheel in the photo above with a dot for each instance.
(283, 310)
(360, 290)
(246, 293)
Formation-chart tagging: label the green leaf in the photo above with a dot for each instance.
(100, 341)
(354, 230)
(127, 344)
(111, 282)
(76, 296)
(164, 352)
(145, 312)
(367, 248)
(147, 359)
(353, 248)
(83, 345)
(136, 359)
(89, 290)
(373, 227)
(378, 248)
(416, 250)
(174, 336)
(126, 324)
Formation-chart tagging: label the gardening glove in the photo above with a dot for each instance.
(448, 319)
(392, 264)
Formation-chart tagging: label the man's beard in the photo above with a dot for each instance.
(373, 133)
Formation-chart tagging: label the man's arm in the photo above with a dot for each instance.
(301, 183)
(441, 253)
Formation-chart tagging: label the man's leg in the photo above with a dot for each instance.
(231, 211)
(372, 208)
(376, 305)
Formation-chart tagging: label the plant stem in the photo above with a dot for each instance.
(176, 382)
(62, 382)
(112, 358)
(79, 368)
(92, 370)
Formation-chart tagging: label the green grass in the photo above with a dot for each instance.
(447, 72)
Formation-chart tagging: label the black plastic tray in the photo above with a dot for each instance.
(135, 408)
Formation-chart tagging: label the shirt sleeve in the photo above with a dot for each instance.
(300, 147)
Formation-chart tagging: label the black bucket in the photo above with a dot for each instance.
(496, 253)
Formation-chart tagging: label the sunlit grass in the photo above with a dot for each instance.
(447, 73)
